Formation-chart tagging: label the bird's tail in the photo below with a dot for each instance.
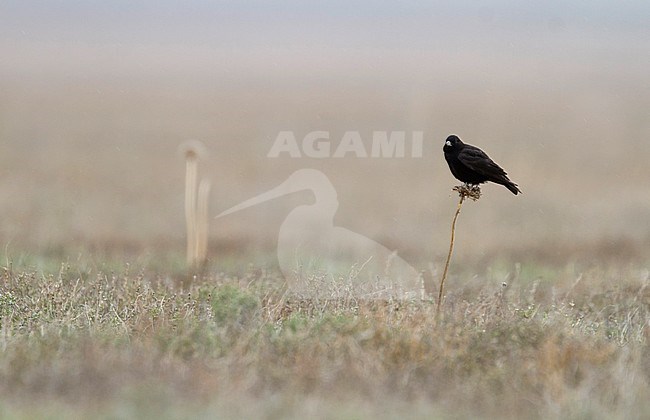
(513, 187)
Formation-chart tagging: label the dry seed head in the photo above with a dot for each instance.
(192, 149)
(468, 191)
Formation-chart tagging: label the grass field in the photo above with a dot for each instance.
(519, 341)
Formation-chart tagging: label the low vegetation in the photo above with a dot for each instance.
(506, 344)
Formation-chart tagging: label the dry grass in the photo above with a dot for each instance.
(143, 344)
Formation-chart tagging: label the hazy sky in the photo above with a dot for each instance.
(277, 22)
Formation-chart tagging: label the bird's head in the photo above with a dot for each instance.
(452, 143)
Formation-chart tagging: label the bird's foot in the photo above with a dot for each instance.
(468, 191)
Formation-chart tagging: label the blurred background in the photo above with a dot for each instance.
(96, 96)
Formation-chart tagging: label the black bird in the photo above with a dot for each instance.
(472, 165)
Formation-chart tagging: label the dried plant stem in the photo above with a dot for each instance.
(202, 221)
(197, 197)
(451, 248)
(191, 170)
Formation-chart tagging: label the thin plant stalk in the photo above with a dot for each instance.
(464, 191)
(451, 249)
(191, 170)
(202, 221)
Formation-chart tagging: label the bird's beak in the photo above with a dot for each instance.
(447, 143)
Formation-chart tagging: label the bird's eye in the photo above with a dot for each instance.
(447, 143)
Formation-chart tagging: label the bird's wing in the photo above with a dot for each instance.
(477, 160)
